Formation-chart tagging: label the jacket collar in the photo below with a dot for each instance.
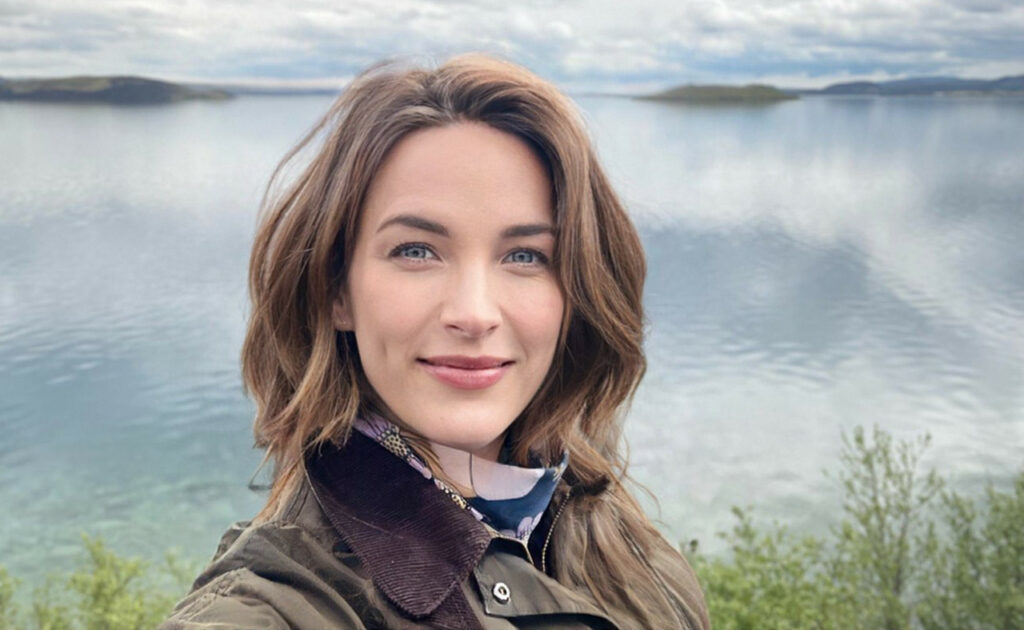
(417, 545)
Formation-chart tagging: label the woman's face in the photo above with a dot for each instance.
(451, 292)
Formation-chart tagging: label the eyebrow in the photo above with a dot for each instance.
(413, 221)
(530, 229)
(419, 223)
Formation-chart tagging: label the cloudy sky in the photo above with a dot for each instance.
(581, 44)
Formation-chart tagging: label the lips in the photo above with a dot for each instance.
(465, 372)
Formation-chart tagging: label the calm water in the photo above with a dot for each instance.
(814, 266)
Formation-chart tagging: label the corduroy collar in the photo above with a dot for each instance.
(417, 545)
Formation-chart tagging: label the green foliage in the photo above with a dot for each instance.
(772, 582)
(7, 608)
(907, 555)
(884, 501)
(107, 592)
(48, 611)
(975, 567)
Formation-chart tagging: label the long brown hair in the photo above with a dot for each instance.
(305, 376)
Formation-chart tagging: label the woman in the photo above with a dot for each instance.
(446, 326)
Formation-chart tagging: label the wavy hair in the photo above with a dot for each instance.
(305, 376)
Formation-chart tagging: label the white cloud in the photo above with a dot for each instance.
(643, 42)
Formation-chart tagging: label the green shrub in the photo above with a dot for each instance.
(772, 581)
(885, 501)
(975, 564)
(896, 560)
(7, 609)
(107, 592)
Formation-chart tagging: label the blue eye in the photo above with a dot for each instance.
(527, 257)
(413, 251)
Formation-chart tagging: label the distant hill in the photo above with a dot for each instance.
(124, 90)
(236, 89)
(926, 86)
(712, 94)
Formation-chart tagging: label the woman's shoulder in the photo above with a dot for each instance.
(300, 530)
(290, 572)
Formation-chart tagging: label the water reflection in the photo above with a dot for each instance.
(814, 265)
(818, 265)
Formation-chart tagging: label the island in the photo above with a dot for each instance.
(122, 90)
(927, 86)
(721, 94)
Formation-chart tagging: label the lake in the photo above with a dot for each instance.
(815, 265)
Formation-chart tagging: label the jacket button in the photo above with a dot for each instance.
(501, 593)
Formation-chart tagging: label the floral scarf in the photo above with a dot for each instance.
(509, 499)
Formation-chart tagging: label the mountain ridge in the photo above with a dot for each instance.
(120, 89)
(927, 85)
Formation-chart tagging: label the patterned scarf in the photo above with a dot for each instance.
(509, 499)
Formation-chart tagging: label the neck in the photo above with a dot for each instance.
(490, 451)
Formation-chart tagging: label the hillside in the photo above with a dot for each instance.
(712, 94)
(123, 90)
(927, 86)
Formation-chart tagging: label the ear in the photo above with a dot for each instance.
(341, 314)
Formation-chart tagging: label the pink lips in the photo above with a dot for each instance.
(466, 372)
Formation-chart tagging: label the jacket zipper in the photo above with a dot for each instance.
(526, 550)
(547, 539)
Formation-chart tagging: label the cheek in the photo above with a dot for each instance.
(387, 315)
(542, 321)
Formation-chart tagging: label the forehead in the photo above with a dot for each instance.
(458, 173)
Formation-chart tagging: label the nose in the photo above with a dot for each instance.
(471, 307)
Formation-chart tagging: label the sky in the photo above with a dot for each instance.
(584, 45)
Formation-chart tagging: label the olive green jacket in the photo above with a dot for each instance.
(367, 542)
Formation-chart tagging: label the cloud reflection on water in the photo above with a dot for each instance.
(818, 265)
(813, 265)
